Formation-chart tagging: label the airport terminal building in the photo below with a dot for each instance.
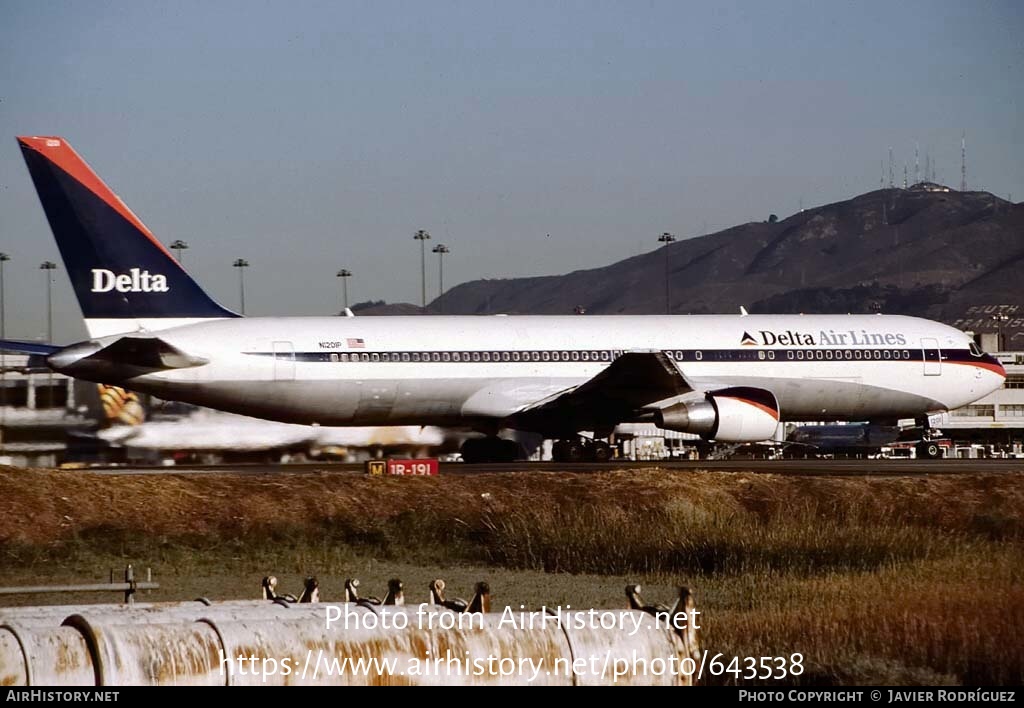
(996, 422)
(39, 411)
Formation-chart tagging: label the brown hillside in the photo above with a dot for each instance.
(900, 251)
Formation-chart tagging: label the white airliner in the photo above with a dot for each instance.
(727, 378)
(205, 431)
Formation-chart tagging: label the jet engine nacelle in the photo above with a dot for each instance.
(740, 414)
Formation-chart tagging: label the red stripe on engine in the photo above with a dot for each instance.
(770, 411)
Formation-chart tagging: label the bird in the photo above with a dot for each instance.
(636, 603)
(633, 595)
(437, 598)
(684, 602)
(269, 585)
(395, 595)
(481, 601)
(352, 594)
(311, 591)
(684, 623)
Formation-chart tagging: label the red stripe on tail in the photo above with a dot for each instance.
(56, 150)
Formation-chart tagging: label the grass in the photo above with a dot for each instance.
(889, 581)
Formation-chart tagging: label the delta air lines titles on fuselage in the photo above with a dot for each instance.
(830, 338)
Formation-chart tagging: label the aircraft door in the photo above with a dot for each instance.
(284, 361)
(932, 356)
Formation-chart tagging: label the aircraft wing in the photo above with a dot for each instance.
(632, 382)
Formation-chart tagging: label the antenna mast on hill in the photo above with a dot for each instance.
(890, 168)
(917, 164)
(904, 175)
(963, 162)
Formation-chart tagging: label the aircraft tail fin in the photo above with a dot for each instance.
(120, 406)
(124, 278)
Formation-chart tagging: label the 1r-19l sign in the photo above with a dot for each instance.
(427, 467)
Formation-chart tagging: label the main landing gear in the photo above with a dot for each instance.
(491, 449)
(581, 450)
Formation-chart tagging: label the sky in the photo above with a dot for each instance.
(531, 138)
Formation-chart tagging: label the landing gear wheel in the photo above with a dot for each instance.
(928, 450)
(480, 450)
(577, 451)
(581, 450)
(601, 451)
(508, 451)
(558, 450)
(473, 451)
(570, 451)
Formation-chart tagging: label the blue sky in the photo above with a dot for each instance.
(531, 138)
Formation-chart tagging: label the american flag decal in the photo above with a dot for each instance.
(356, 343)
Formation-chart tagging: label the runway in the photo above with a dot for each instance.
(806, 468)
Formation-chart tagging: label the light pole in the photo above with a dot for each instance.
(178, 247)
(49, 267)
(3, 312)
(422, 236)
(241, 264)
(666, 238)
(999, 319)
(344, 275)
(440, 249)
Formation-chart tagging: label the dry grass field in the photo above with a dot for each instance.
(884, 580)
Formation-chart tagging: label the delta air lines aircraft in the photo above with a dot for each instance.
(728, 378)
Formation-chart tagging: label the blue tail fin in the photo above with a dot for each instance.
(125, 280)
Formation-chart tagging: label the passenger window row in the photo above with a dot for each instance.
(473, 357)
(610, 355)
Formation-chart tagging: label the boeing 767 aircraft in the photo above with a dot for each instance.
(728, 378)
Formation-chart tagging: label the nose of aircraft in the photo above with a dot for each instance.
(995, 366)
(990, 363)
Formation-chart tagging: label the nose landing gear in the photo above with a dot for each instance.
(928, 448)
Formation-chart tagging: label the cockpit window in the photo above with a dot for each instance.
(976, 350)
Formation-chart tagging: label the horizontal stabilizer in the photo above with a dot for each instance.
(146, 353)
(123, 359)
(15, 346)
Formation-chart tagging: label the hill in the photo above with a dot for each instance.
(947, 255)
